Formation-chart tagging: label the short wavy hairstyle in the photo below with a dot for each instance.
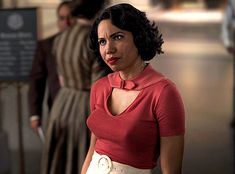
(146, 35)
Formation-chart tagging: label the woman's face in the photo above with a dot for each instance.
(117, 47)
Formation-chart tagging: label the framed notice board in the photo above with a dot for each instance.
(18, 39)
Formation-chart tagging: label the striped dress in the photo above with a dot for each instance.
(67, 137)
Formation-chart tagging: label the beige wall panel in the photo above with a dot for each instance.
(140, 4)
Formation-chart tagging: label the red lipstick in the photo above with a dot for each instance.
(112, 60)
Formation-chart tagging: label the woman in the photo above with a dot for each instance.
(67, 138)
(137, 113)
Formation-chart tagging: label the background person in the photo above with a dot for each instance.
(67, 138)
(137, 113)
(44, 69)
(228, 26)
(228, 38)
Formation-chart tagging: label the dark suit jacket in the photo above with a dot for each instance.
(43, 70)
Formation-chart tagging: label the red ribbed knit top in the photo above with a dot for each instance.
(132, 137)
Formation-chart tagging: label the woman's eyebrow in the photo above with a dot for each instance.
(119, 32)
(113, 34)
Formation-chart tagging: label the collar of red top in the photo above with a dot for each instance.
(148, 77)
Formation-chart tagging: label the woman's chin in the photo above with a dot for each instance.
(113, 68)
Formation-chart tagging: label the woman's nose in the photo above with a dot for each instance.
(110, 48)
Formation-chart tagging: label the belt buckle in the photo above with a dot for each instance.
(104, 164)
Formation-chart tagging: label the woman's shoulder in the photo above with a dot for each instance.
(101, 83)
(100, 88)
(157, 83)
(167, 88)
(164, 84)
(152, 79)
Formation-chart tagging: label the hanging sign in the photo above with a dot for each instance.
(18, 38)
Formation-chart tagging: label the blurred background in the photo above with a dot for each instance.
(195, 59)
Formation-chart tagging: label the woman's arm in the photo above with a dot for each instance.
(89, 154)
(171, 154)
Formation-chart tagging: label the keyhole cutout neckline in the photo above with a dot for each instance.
(148, 77)
(117, 113)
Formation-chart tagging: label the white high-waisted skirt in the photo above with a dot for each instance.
(102, 164)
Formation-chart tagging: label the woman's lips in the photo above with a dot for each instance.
(112, 60)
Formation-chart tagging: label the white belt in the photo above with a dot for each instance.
(102, 164)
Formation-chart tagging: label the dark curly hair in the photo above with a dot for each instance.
(146, 35)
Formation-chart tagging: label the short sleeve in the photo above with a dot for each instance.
(170, 112)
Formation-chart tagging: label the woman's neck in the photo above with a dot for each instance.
(135, 70)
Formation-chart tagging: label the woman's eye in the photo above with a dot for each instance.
(118, 37)
(102, 42)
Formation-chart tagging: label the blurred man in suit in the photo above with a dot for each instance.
(228, 37)
(44, 72)
(228, 26)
